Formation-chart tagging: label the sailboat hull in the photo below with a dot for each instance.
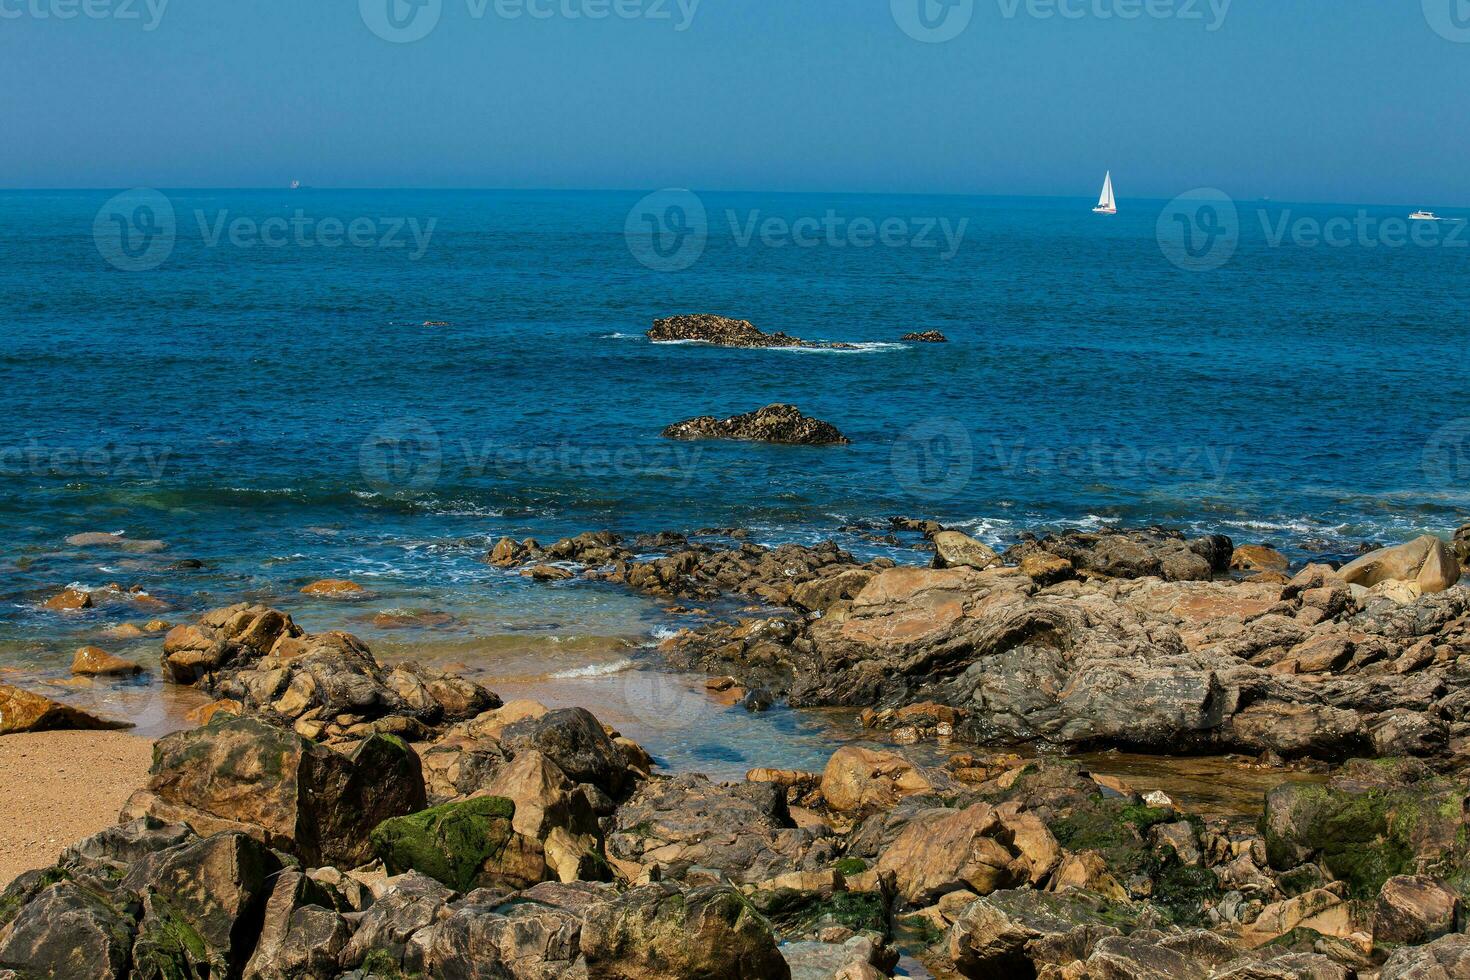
(1104, 210)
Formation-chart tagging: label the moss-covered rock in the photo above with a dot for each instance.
(1373, 821)
(795, 913)
(465, 845)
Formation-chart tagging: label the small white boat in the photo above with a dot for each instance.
(1425, 216)
(296, 185)
(1106, 203)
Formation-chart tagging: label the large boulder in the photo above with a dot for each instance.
(773, 423)
(660, 932)
(244, 774)
(535, 937)
(1413, 910)
(1116, 553)
(574, 740)
(1427, 562)
(231, 636)
(858, 779)
(26, 711)
(1016, 933)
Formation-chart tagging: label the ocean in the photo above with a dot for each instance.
(284, 386)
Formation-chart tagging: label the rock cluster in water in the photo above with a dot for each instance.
(341, 818)
(773, 423)
(724, 332)
(925, 337)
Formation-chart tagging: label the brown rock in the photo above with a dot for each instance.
(955, 550)
(1413, 910)
(95, 662)
(68, 600)
(1089, 872)
(1426, 562)
(25, 711)
(925, 337)
(943, 850)
(773, 423)
(333, 588)
(1045, 568)
(862, 779)
(1258, 558)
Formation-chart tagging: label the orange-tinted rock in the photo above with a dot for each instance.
(333, 588)
(25, 711)
(96, 662)
(68, 600)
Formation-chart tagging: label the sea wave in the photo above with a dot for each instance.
(591, 670)
(869, 347)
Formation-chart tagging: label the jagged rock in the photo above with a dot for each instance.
(925, 337)
(201, 908)
(955, 550)
(743, 829)
(859, 779)
(773, 423)
(1462, 545)
(26, 711)
(68, 600)
(403, 907)
(243, 774)
(223, 637)
(943, 850)
(1134, 554)
(718, 330)
(1447, 958)
(574, 740)
(658, 932)
(66, 930)
(1413, 910)
(820, 594)
(1426, 562)
(301, 935)
(1015, 933)
(535, 937)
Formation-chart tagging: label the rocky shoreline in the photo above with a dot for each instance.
(336, 817)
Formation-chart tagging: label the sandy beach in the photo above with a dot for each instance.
(61, 787)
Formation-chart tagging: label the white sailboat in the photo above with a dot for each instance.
(1106, 203)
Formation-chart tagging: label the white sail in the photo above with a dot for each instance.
(1106, 202)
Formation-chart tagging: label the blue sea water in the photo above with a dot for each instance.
(384, 410)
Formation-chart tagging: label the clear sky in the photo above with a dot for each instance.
(1304, 100)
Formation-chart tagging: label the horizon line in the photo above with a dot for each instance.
(645, 190)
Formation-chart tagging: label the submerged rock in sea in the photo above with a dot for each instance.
(96, 662)
(719, 330)
(774, 423)
(26, 711)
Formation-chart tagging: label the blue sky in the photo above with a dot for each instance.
(1305, 100)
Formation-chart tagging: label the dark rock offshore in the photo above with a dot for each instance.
(724, 332)
(774, 423)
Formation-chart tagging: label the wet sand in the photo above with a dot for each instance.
(59, 787)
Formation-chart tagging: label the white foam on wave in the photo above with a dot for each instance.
(870, 347)
(663, 632)
(592, 670)
(621, 336)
